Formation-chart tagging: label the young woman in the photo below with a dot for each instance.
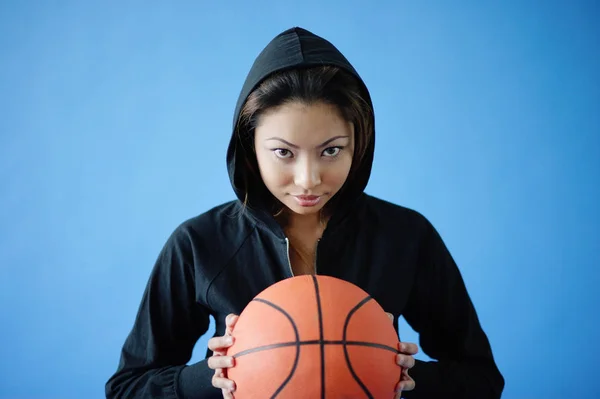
(299, 160)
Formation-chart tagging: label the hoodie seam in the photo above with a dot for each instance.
(227, 263)
(300, 45)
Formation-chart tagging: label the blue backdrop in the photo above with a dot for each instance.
(115, 117)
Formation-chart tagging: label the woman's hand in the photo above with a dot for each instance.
(405, 359)
(219, 361)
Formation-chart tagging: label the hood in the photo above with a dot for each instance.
(295, 48)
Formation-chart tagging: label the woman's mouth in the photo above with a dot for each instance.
(307, 200)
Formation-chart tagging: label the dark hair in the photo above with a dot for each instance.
(326, 84)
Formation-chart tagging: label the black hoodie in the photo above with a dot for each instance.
(216, 262)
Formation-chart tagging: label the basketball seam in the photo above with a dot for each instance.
(314, 342)
(346, 354)
(321, 335)
(297, 336)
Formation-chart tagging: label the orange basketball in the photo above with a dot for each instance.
(314, 337)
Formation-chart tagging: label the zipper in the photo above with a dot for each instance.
(287, 251)
(316, 254)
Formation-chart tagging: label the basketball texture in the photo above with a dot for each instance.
(314, 337)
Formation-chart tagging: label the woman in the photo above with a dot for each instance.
(299, 160)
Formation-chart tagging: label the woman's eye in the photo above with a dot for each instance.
(332, 151)
(283, 153)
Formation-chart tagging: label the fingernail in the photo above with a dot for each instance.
(229, 340)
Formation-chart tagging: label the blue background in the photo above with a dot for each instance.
(115, 118)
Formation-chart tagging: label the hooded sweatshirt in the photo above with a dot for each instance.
(215, 263)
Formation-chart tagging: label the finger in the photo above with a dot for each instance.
(219, 380)
(220, 362)
(408, 348)
(231, 319)
(405, 361)
(407, 383)
(223, 383)
(218, 374)
(391, 316)
(399, 389)
(220, 343)
(404, 386)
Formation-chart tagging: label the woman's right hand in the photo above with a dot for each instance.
(220, 361)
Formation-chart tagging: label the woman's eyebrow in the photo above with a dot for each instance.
(320, 146)
(333, 139)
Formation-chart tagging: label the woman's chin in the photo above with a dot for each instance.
(304, 210)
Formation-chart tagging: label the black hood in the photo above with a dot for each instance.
(296, 48)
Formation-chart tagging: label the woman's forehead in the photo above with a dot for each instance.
(303, 125)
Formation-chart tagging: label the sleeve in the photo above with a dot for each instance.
(441, 312)
(169, 322)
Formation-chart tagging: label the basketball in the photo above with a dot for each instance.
(314, 337)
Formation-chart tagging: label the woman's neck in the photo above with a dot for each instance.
(305, 225)
(303, 232)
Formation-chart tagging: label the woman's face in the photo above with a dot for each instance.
(304, 154)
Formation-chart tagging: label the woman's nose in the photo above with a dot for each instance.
(307, 174)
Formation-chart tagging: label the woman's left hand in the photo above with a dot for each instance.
(405, 359)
